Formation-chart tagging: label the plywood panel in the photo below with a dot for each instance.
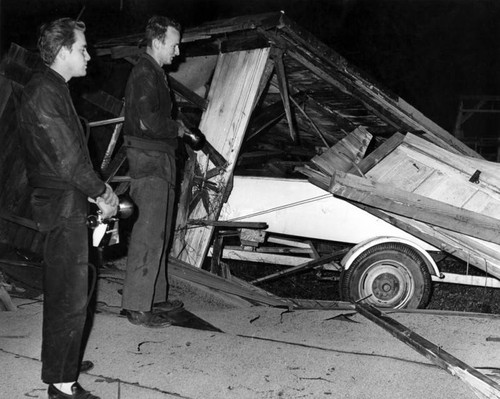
(422, 168)
(231, 98)
(447, 189)
(489, 176)
(401, 171)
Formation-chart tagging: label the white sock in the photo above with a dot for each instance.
(65, 387)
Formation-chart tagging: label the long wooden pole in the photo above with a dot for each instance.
(483, 386)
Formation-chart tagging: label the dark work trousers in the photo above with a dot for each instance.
(146, 277)
(65, 281)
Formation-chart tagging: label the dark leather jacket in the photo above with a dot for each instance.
(57, 157)
(148, 116)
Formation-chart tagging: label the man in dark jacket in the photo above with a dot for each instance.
(151, 136)
(63, 180)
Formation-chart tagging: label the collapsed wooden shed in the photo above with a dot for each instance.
(269, 98)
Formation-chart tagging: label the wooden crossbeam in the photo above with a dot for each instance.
(302, 267)
(389, 198)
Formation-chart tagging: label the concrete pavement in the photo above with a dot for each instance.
(262, 353)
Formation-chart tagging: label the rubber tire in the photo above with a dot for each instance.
(394, 273)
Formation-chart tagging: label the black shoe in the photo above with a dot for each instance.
(148, 319)
(86, 365)
(77, 393)
(168, 306)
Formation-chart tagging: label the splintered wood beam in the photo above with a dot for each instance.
(389, 198)
(481, 385)
(283, 85)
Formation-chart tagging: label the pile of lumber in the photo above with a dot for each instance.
(449, 200)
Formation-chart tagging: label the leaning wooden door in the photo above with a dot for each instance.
(231, 99)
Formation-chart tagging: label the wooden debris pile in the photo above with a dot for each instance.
(449, 200)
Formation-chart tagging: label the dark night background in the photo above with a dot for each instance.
(429, 52)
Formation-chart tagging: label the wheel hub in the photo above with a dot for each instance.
(389, 284)
(385, 286)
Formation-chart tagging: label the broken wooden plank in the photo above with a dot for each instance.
(188, 272)
(302, 267)
(411, 205)
(345, 153)
(481, 385)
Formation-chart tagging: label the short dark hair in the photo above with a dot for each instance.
(56, 35)
(157, 28)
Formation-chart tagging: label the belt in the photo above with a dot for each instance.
(150, 145)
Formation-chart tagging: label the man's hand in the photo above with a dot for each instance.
(108, 203)
(109, 197)
(107, 211)
(182, 129)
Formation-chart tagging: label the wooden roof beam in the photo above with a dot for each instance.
(284, 92)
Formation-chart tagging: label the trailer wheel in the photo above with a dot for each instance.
(394, 274)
